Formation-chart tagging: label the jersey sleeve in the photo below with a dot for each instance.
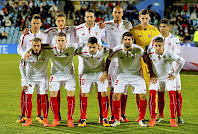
(21, 48)
(180, 61)
(176, 46)
(113, 53)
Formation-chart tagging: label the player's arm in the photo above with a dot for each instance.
(176, 46)
(21, 46)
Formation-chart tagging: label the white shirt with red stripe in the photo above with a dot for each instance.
(114, 32)
(25, 42)
(52, 32)
(93, 63)
(83, 33)
(128, 61)
(162, 64)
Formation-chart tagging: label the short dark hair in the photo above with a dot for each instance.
(90, 10)
(36, 40)
(36, 16)
(61, 14)
(144, 12)
(61, 34)
(159, 39)
(127, 34)
(92, 40)
(164, 21)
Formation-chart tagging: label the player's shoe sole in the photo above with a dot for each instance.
(55, 123)
(70, 123)
(152, 122)
(173, 123)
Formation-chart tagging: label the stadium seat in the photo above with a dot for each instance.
(3, 41)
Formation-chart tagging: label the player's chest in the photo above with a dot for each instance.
(146, 34)
(116, 31)
(86, 33)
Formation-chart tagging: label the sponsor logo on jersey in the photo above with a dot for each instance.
(149, 36)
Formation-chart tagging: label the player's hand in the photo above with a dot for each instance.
(154, 80)
(25, 31)
(104, 77)
(127, 24)
(101, 25)
(25, 88)
(171, 77)
(27, 56)
(99, 47)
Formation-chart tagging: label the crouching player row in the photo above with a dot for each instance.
(162, 64)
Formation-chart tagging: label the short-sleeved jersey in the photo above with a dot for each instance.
(114, 32)
(128, 61)
(162, 64)
(93, 63)
(62, 60)
(36, 66)
(52, 32)
(83, 33)
(143, 36)
(171, 43)
(25, 41)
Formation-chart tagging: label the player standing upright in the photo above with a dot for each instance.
(25, 43)
(94, 72)
(143, 33)
(83, 32)
(162, 64)
(114, 30)
(171, 42)
(128, 55)
(35, 77)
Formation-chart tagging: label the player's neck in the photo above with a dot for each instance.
(61, 28)
(128, 49)
(165, 35)
(90, 26)
(117, 21)
(61, 49)
(34, 31)
(145, 26)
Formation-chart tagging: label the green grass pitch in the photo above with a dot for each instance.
(10, 107)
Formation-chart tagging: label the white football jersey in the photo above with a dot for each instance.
(25, 42)
(93, 63)
(36, 66)
(52, 32)
(83, 33)
(162, 64)
(128, 61)
(62, 61)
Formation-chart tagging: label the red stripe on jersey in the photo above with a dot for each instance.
(151, 53)
(78, 28)
(84, 52)
(23, 39)
(107, 23)
(153, 42)
(116, 52)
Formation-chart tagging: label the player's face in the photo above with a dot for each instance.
(117, 14)
(144, 19)
(159, 48)
(92, 48)
(164, 29)
(36, 24)
(89, 18)
(60, 22)
(36, 47)
(127, 41)
(61, 42)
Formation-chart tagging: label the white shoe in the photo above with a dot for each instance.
(115, 123)
(142, 123)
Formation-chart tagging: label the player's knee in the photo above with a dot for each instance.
(53, 93)
(84, 94)
(103, 94)
(143, 96)
(70, 93)
(116, 96)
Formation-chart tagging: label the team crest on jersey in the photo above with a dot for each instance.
(169, 43)
(149, 35)
(83, 34)
(96, 33)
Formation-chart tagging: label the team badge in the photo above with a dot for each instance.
(83, 34)
(96, 33)
(149, 36)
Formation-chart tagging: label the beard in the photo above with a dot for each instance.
(127, 45)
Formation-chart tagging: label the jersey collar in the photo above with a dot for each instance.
(36, 35)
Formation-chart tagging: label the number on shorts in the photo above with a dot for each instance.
(83, 81)
(116, 83)
(51, 78)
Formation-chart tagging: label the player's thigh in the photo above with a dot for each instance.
(178, 82)
(139, 85)
(120, 84)
(112, 73)
(154, 86)
(170, 85)
(42, 87)
(70, 84)
(86, 82)
(31, 86)
(102, 87)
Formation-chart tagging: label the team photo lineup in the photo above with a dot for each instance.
(143, 57)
